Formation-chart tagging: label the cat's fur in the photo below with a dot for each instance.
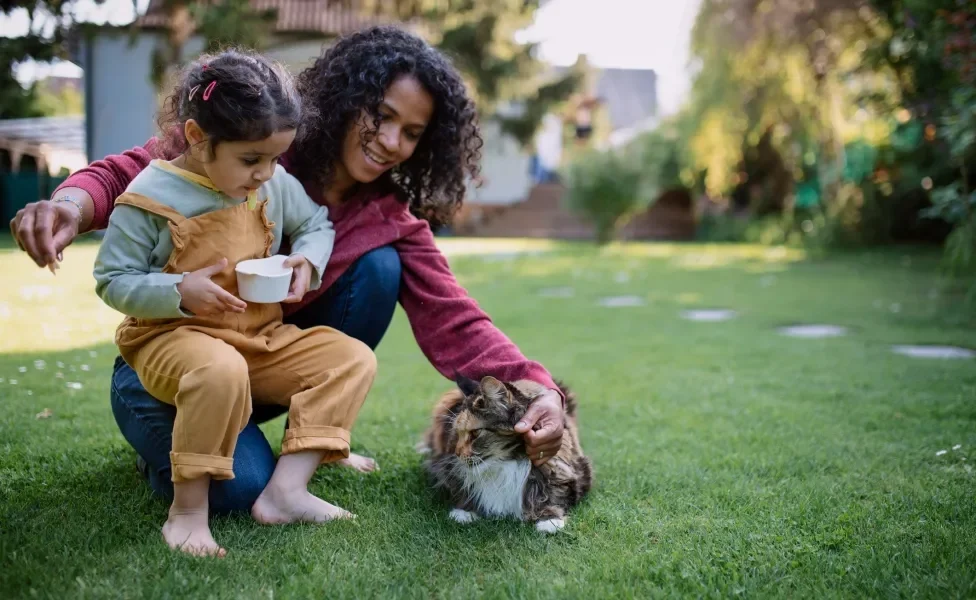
(476, 456)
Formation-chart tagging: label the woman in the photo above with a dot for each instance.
(388, 151)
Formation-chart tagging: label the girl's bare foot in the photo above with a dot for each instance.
(189, 532)
(277, 506)
(363, 464)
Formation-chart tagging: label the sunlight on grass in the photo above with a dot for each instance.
(41, 311)
(475, 246)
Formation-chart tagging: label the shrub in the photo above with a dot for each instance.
(606, 188)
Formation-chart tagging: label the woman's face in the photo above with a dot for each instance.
(405, 111)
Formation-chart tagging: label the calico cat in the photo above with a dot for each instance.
(476, 456)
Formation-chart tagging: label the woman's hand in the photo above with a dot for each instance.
(301, 277)
(542, 427)
(203, 297)
(43, 229)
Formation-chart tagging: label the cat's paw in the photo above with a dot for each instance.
(550, 525)
(462, 516)
(422, 448)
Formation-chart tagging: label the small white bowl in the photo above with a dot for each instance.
(263, 280)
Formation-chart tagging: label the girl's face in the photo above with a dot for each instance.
(238, 168)
(405, 111)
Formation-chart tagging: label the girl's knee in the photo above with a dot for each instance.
(360, 356)
(224, 371)
(222, 384)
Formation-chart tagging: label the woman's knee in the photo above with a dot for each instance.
(238, 494)
(379, 271)
(254, 463)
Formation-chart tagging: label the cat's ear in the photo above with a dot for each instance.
(467, 386)
(494, 390)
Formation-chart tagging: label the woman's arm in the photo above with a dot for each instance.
(105, 180)
(457, 336)
(451, 329)
(43, 229)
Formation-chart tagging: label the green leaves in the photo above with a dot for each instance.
(606, 188)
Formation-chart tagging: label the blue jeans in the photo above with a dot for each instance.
(360, 304)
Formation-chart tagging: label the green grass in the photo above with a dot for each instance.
(729, 460)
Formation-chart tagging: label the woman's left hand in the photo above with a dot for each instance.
(301, 277)
(542, 427)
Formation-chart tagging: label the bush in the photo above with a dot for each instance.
(956, 203)
(606, 188)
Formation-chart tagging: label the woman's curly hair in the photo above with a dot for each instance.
(353, 75)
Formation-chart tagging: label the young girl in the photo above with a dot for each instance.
(167, 262)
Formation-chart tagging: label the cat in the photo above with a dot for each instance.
(475, 455)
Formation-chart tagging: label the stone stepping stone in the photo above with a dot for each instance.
(813, 331)
(940, 352)
(708, 315)
(621, 301)
(557, 292)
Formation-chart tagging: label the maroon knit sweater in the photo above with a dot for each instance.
(452, 331)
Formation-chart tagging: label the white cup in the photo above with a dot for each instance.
(263, 280)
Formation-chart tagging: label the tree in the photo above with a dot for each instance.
(49, 22)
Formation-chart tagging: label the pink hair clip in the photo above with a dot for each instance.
(209, 90)
(204, 67)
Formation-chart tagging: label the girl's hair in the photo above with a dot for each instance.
(352, 76)
(233, 96)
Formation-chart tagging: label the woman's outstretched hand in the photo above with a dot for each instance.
(542, 427)
(43, 229)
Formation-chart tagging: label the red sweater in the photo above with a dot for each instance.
(452, 331)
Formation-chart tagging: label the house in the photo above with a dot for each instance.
(121, 100)
(618, 105)
(35, 156)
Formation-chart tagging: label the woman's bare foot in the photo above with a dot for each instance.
(189, 532)
(277, 506)
(363, 464)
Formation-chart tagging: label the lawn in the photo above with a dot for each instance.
(730, 460)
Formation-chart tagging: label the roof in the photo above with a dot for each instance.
(56, 142)
(324, 17)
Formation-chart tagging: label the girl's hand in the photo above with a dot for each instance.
(301, 277)
(203, 297)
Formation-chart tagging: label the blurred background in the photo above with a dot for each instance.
(821, 123)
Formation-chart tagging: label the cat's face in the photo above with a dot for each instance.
(485, 423)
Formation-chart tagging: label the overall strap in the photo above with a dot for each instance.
(151, 206)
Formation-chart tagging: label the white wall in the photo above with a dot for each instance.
(504, 166)
(120, 100)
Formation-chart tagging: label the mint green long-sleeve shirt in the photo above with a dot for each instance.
(137, 244)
